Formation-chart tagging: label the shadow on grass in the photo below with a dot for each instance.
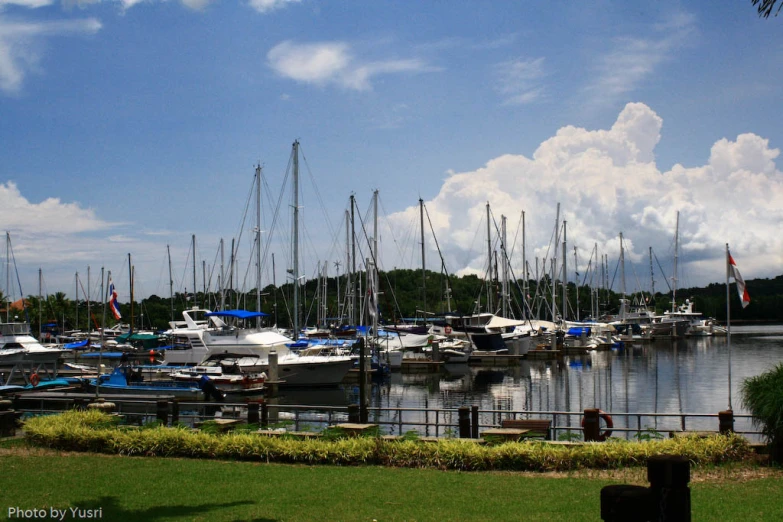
(112, 510)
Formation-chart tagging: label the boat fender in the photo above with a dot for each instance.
(34, 379)
(447, 329)
(609, 425)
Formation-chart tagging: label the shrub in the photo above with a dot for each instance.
(92, 431)
(762, 396)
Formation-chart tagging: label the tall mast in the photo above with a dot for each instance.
(76, 284)
(504, 265)
(423, 263)
(195, 294)
(524, 270)
(274, 285)
(8, 275)
(130, 272)
(565, 274)
(489, 261)
(222, 276)
(89, 312)
(353, 260)
(652, 277)
(676, 253)
(576, 281)
(348, 271)
(296, 239)
(554, 263)
(374, 273)
(258, 244)
(171, 284)
(622, 278)
(40, 298)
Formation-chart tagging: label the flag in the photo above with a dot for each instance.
(735, 273)
(113, 304)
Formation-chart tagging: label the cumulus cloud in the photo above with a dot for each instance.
(607, 182)
(324, 63)
(20, 40)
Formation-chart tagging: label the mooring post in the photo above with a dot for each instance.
(464, 422)
(175, 411)
(264, 414)
(353, 413)
(273, 375)
(435, 351)
(163, 412)
(670, 495)
(474, 422)
(726, 421)
(252, 412)
(7, 419)
(592, 426)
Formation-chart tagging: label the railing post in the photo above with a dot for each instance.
(726, 421)
(252, 412)
(353, 413)
(464, 422)
(175, 411)
(163, 411)
(592, 425)
(474, 422)
(264, 414)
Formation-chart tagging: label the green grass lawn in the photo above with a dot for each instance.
(153, 489)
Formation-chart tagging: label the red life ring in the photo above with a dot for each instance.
(34, 379)
(609, 425)
(447, 330)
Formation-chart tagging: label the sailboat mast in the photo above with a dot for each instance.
(423, 262)
(195, 295)
(40, 298)
(353, 260)
(623, 303)
(89, 312)
(130, 273)
(489, 261)
(504, 265)
(8, 275)
(296, 238)
(258, 243)
(222, 275)
(554, 263)
(171, 284)
(676, 253)
(524, 270)
(565, 273)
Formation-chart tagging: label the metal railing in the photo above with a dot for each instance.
(438, 422)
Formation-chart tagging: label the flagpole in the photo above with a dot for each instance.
(728, 317)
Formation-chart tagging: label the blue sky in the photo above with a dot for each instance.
(127, 126)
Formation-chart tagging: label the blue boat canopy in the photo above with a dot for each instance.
(236, 314)
(577, 331)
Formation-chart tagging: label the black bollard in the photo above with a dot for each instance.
(175, 411)
(252, 412)
(163, 412)
(353, 413)
(464, 422)
(474, 422)
(669, 476)
(622, 502)
(264, 414)
(592, 424)
(726, 421)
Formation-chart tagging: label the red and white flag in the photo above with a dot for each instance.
(735, 273)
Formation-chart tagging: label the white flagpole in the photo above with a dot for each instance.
(728, 318)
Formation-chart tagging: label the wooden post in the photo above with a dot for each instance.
(464, 422)
(273, 376)
(592, 424)
(163, 412)
(435, 351)
(474, 422)
(252, 412)
(726, 421)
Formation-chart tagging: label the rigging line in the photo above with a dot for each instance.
(391, 230)
(440, 254)
(317, 192)
(665, 278)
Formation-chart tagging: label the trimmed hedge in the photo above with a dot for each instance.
(97, 432)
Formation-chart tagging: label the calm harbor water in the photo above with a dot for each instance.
(686, 376)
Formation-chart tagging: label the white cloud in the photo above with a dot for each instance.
(324, 63)
(20, 41)
(607, 182)
(632, 60)
(32, 4)
(265, 6)
(519, 80)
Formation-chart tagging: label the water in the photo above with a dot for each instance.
(688, 376)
